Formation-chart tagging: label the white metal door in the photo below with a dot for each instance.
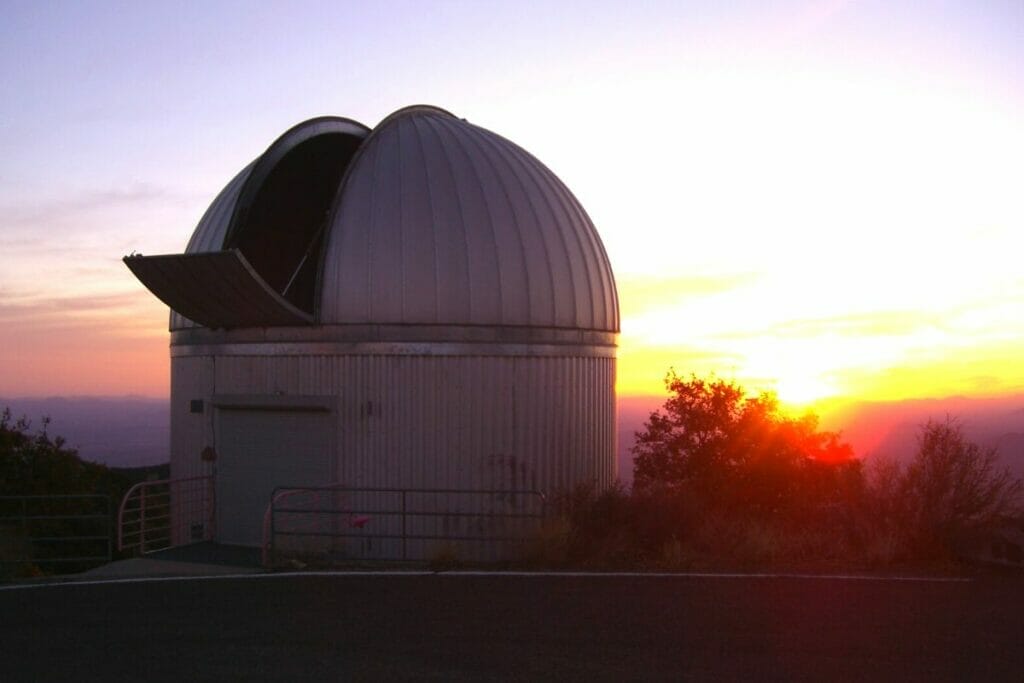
(260, 450)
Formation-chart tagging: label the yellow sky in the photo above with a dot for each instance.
(852, 239)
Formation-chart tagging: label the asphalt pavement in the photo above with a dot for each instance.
(512, 627)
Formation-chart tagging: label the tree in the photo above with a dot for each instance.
(712, 437)
(37, 463)
(953, 485)
(691, 437)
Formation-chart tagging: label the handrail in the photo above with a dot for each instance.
(277, 495)
(89, 527)
(403, 513)
(191, 499)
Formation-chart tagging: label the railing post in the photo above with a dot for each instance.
(211, 502)
(142, 521)
(110, 534)
(273, 533)
(176, 530)
(26, 538)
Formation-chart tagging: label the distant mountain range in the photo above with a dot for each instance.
(633, 413)
(133, 431)
(890, 429)
(124, 431)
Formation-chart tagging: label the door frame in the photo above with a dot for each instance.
(273, 403)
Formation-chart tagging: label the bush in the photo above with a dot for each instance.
(726, 482)
(952, 488)
(32, 463)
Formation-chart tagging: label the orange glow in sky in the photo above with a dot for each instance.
(821, 199)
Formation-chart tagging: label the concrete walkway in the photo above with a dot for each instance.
(197, 559)
(138, 567)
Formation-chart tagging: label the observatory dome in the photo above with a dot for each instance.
(427, 220)
(419, 309)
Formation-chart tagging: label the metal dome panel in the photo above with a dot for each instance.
(183, 282)
(209, 234)
(443, 222)
(280, 248)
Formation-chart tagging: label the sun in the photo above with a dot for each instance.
(799, 372)
(802, 390)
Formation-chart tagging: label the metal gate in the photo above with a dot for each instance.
(333, 523)
(155, 515)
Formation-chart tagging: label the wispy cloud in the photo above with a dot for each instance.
(84, 343)
(119, 313)
(640, 293)
(643, 368)
(61, 210)
(57, 251)
(880, 323)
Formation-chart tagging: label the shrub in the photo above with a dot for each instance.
(953, 487)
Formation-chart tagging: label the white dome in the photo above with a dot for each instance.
(425, 220)
(443, 222)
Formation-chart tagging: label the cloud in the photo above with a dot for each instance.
(62, 248)
(116, 312)
(107, 342)
(642, 369)
(90, 227)
(72, 318)
(62, 210)
(78, 358)
(987, 369)
(640, 293)
(881, 323)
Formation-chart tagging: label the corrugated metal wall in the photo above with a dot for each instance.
(466, 422)
(191, 379)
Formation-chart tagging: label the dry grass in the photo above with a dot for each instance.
(677, 532)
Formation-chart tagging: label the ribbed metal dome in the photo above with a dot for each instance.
(231, 207)
(443, 222)
(425, 220)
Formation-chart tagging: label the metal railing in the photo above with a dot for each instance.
(71, 530)
(155, 515)
(396, 524)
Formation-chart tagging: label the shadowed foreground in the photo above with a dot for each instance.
(504, 627)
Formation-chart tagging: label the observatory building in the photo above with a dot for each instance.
(423, 305)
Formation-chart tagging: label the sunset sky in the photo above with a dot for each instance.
(825, 199)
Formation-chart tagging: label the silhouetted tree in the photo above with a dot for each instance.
(33, 463)
(953, 485)
(713, 439)
(38, 463)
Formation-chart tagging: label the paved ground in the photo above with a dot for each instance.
(452, 627)
(210, 553)
(197, 559)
